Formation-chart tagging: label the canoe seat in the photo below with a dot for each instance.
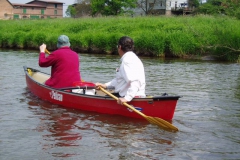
(84, 91)
(40, 77)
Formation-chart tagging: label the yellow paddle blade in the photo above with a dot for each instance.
(162, 123)
(153, 120)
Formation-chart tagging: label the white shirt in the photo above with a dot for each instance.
(130, 77)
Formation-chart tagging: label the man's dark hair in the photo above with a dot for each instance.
(126, 44)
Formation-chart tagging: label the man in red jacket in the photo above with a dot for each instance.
(64, 62)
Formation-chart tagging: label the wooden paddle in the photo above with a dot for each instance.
(47, 51)
(153, 120)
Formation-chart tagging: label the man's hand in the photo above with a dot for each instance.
(100, 85)
(43, 48)
(121, 101)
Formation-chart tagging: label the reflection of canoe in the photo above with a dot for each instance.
(84, 98)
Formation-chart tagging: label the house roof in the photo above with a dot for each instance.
(28, 5)
(9, 2)
(46, 1)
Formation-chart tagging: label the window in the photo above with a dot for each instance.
(15, 16)
(34, 17)
(55, 12)
(24, 10)
(42, 11)
(5, 15)
(55, 5)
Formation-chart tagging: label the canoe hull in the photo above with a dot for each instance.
(162, 106)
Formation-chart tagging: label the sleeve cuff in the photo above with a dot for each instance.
(128, 98)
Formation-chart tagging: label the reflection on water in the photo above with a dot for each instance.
(237, 91)
(207, 115)
(56, 124)
(64, 128)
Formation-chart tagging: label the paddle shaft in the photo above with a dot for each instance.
(125, 104)
(47, 51)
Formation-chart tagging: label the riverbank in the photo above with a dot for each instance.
(153, 36)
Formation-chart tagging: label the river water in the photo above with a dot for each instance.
(207, 115)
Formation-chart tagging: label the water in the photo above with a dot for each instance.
(208, 114)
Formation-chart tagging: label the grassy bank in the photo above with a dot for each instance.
(157, 36)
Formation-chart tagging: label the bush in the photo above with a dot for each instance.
(153, 36)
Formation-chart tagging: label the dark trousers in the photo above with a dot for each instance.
(116, 94)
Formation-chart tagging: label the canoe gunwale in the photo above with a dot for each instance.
(64, 90)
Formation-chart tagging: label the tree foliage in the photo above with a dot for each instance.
(232, 8)
(83, 8)
(71, 11)
(146, 6)
(111, 7)
(193, 3)
(223, 7)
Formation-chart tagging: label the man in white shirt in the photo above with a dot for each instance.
(130, 76)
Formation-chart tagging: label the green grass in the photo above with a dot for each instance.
(158, 36)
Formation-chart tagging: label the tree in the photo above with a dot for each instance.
(224, 7)
(97, 6)
(71, 11)
(83, 8)
(112, 7)
(232, 8)
(146, 6)
(193, 3)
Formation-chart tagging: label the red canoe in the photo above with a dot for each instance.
(85, 97)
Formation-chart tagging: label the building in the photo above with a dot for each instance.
(32, 10)
(6, 9)
(178, 7)
(162, 7)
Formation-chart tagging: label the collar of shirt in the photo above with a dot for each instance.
(125, 54)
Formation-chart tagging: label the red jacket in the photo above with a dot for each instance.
(65, 67)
